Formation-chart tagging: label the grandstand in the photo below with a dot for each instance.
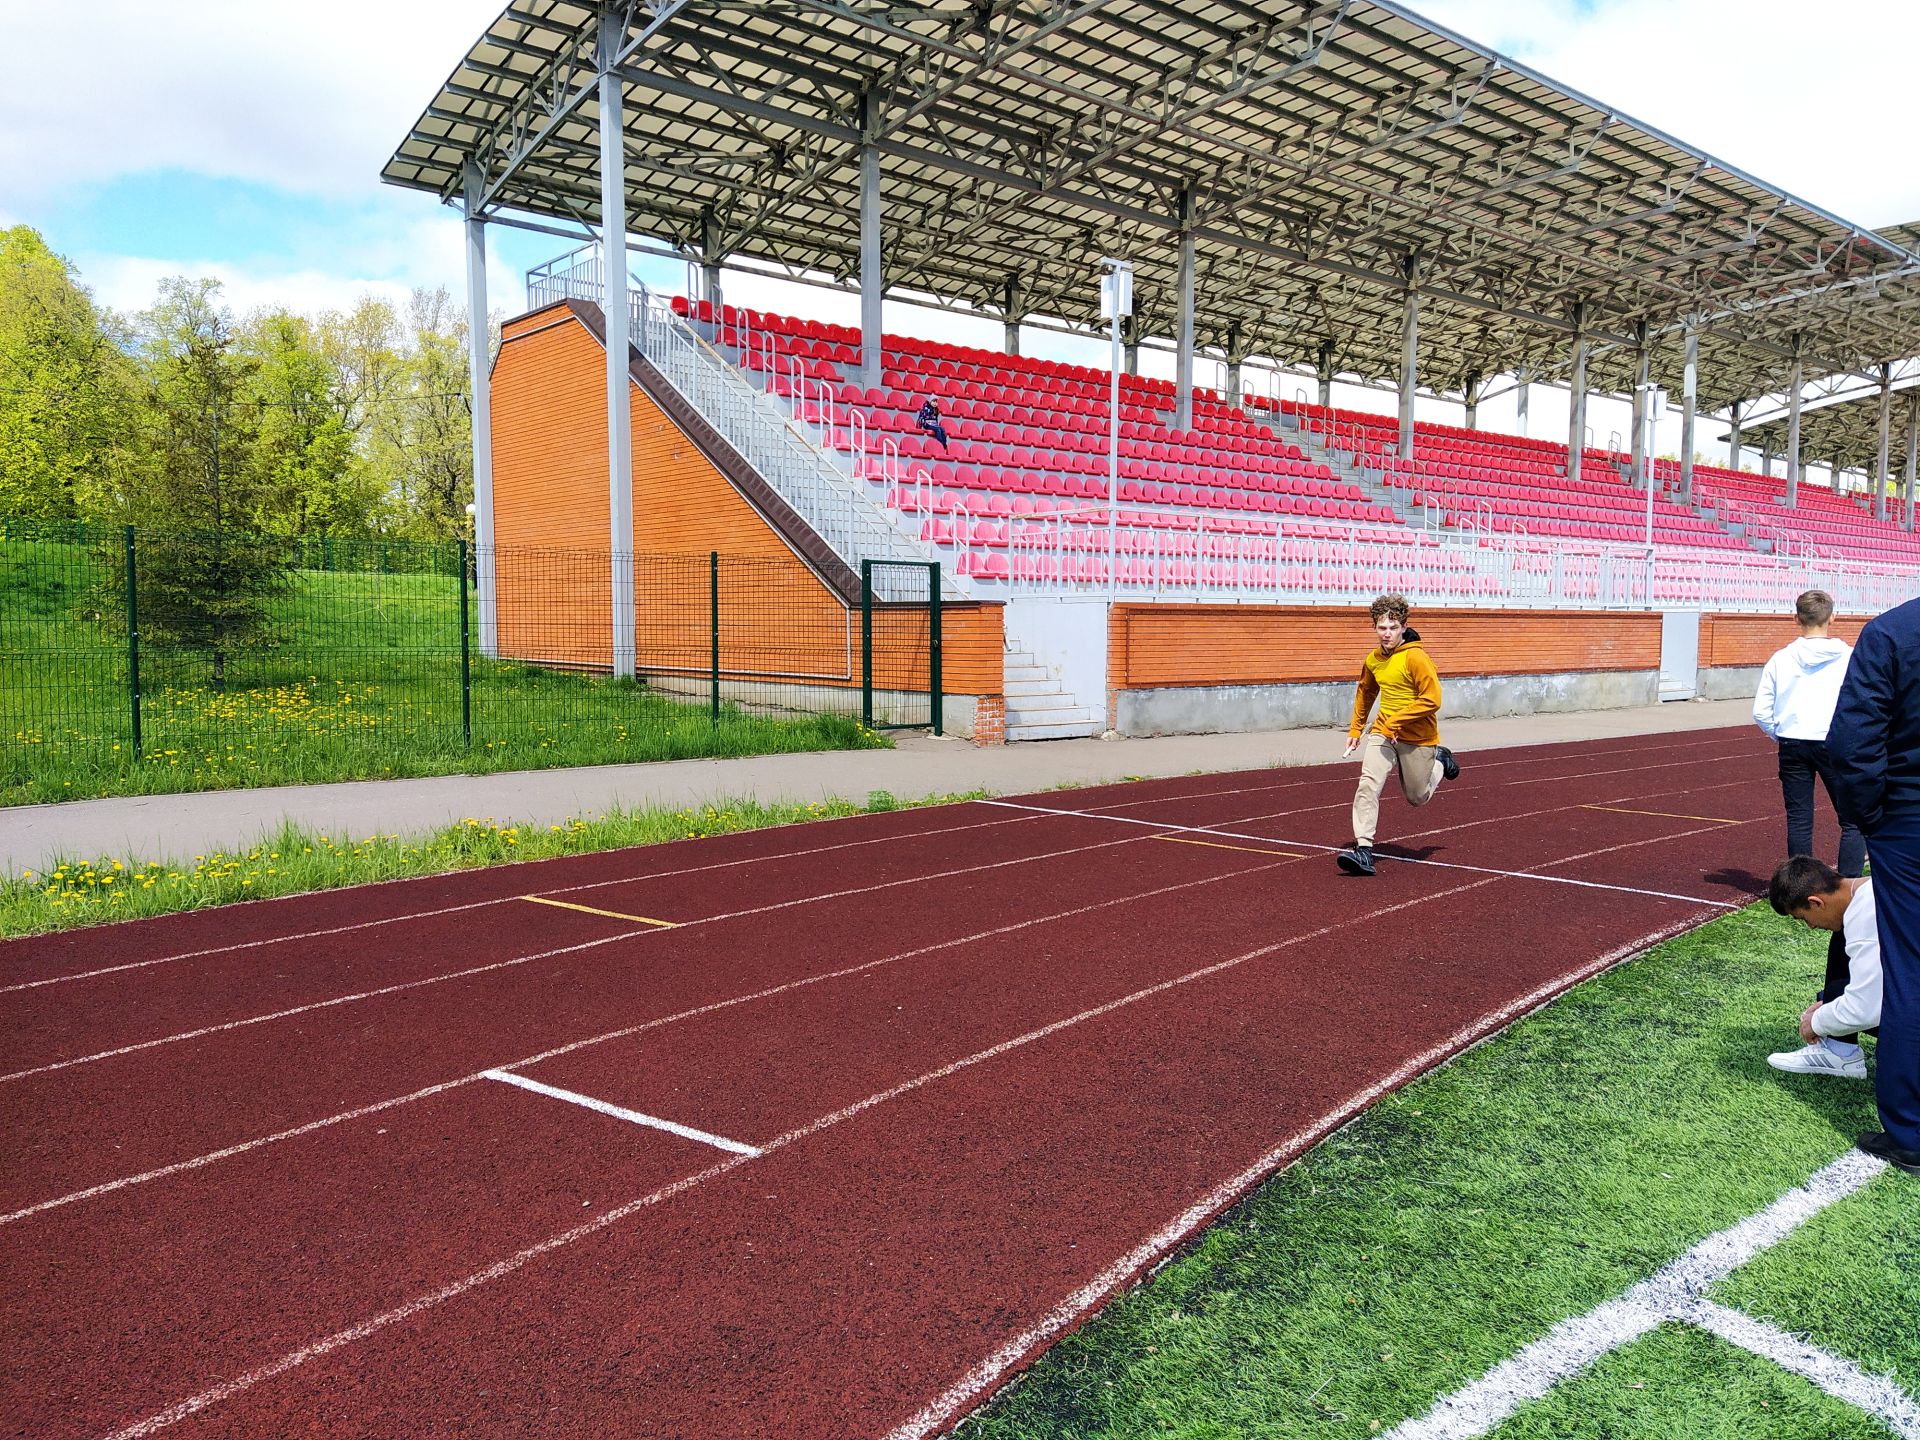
(1476, 221)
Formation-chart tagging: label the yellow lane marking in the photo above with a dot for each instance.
(610, 914)
(1665, 814)
(1216, 845)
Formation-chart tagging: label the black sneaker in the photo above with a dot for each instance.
(1356, 860)
(1449, 767)
(1878, 1142)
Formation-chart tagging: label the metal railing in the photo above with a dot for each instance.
(828, 490)
(1178, 555)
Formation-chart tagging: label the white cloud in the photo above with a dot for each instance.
(311, 97)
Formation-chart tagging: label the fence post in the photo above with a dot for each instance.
(466, 656)
(866, 643)
(933, 648)
(713, 610)
(133, 644)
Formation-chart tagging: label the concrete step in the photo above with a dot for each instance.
(1052, 714)
(1033, 689)
(1079, 730)
(1022, 673)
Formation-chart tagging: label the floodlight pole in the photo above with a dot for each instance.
(1118, 285)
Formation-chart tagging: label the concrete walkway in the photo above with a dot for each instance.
(160, 827)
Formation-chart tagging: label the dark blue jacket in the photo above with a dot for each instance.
(1874, 741)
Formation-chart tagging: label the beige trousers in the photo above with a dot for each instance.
(1380, 757)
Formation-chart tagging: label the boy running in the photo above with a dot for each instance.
(1405, 736)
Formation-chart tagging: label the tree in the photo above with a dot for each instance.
(206, 584)
(310, 478)
(66, 387)
(427, 430)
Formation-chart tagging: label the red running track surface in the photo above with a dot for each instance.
(944, 1081)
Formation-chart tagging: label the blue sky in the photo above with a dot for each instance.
(242, 140)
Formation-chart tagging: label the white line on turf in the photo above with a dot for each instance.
(472, 904)
(227, 1389)
(360, 1112)
(618, 1112)
(983, 1378)
(1396, 859)
(426, 980)
(1572, 1345)
(1840, 1378)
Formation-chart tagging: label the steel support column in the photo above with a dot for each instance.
(1733, 436)
(710, 262)
(1689, 401)
(1642, 461)
(1130, 344)
(1409, 358)
(479, 390)
(1577, 401)
(1472, 396)
(613, 260)
(1324, 371)
(1521, 388)
(1235, 358)
(1913, 453)
(1793, 429)
(1010, 315)
(872, 285)
(1882, 476)
(1183, 339)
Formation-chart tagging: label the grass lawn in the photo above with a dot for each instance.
(94, 891)
(1539, 1175)
(363, 683)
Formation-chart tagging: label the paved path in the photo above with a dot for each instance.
(178, 826)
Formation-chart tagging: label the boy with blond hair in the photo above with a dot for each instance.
(1404, 738)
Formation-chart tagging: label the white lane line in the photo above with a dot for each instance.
(1572, 1345)
(357, 996)
(472, 904)
(1840, 1378)
(634, 1117)
(1397, 859)
(1344, 777)
(227, 1389)
(360, 1112)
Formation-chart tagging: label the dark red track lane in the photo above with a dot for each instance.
(871, 1260)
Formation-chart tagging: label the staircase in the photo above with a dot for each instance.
(1038, 704)
(1342, 465)
(840, 507)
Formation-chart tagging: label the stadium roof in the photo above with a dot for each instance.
(1316, 150)
(1843, 423)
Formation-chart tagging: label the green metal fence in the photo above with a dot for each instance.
(154, 661)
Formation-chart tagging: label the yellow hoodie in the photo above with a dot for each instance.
(1409, 691)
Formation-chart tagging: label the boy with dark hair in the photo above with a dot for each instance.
(1404, 738)
(1820, 897)
(929, 420)
(1794, 707)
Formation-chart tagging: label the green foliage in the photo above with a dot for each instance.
(354, 423)
(65, 386)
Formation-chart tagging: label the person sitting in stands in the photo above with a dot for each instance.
(929, 420)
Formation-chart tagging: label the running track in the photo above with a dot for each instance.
(944, 1081)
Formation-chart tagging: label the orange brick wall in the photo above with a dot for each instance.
(1151, 646)
(1750, 639)
(550, 491)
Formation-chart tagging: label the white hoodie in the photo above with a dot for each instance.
(1799, 689)
(1858, 1007)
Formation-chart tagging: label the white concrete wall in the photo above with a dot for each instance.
(1068, 637)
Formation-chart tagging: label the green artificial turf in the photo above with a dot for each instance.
(1463, 1217)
